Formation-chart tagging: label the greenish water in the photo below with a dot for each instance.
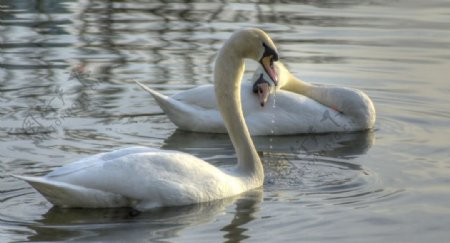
(67, 72)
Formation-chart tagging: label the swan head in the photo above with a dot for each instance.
(263, 87)
(256, 44)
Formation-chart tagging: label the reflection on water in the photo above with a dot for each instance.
(288, 160)
(158, 224)
(67, 71)
(332, 144)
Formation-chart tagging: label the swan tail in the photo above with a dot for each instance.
(63, 194)
(168, 104)
(160, 98)
(178, 112)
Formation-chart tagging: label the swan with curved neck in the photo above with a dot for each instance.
(301, 107)
(347, 102)
(145, 178)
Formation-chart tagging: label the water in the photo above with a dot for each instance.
(390, 184)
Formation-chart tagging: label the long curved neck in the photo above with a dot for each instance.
(351, 102)
(326, 95)
(295, 84)
(228, 72)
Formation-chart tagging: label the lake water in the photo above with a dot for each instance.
(67, 72)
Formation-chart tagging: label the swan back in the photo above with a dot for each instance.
(140, 177)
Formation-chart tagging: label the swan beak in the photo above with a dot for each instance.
(263, 93)
(267, 63)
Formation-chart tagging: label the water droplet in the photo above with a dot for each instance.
(272, 128)
(274, 98)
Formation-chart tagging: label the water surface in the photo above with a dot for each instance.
(67, 72)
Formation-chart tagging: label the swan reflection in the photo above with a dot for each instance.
(331, 144)
(158, 224)
(306, 162)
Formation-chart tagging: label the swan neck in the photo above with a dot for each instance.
(297, 85)
(344, 100)
(354, 104)
(321, 94)
(315, 92)
(228, 72)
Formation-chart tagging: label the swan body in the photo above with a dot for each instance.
(126, 177)
(196, 110)
(145, 178)
(300, 108)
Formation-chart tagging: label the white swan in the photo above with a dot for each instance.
(323, 108)
(300, 107)
(145, 178)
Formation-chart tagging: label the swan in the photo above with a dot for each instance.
(343, 109)
(144, 178)
(300, 107)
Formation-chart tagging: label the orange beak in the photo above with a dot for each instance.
(267, 63)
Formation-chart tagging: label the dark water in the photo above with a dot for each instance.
(67, 71)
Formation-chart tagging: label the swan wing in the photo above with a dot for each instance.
(294, 114)
(201, 96)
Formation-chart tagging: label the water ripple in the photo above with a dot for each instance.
(317, 179)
